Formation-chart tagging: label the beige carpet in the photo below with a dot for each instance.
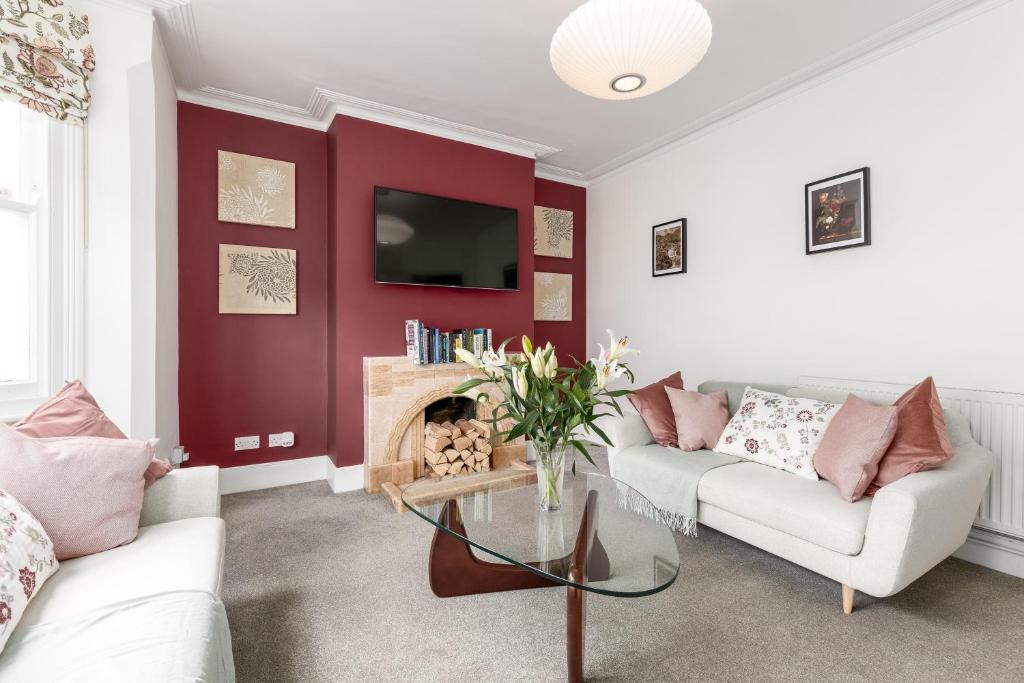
(324, 587)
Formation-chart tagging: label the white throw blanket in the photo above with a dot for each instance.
(668, 479)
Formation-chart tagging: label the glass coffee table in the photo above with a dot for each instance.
(597, 542)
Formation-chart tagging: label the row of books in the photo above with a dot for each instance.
(430, 345)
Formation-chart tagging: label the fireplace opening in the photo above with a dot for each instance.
(450, 409)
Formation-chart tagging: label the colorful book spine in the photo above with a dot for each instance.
(412, 340)
(457, 344)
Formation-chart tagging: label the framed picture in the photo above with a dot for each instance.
(838, 212)
(552, 232)
(257, 280)
(552, 296)
(668, 245)
(255, 190)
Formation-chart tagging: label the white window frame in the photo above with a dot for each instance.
(58, 218)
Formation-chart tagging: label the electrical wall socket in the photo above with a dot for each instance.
(245, 443)
(285, 439)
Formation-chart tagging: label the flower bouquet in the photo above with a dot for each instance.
(553, 406)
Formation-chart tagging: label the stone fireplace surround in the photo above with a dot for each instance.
(395, 393)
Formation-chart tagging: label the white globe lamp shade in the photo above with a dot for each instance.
(624, 49)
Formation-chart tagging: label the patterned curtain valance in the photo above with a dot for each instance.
(46, 57)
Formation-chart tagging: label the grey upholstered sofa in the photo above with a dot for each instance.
(877, 545)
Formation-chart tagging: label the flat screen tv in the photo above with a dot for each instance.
(421, 239)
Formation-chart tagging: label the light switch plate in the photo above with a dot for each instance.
(285, 439)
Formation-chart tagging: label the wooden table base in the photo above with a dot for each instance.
(454, 570)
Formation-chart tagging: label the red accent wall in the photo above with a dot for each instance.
(367, 318)
(570, 338)
(257, 374)
(241, 375)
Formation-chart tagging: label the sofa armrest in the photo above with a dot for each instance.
(921, 519)
(182, 494)
(623, 432)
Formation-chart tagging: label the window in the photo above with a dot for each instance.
(33, 279)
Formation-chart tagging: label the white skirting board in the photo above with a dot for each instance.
(995, 551)
(287, 472)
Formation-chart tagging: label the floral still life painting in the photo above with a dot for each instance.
(552, 296)
(255, 190)
(552, 232)
(257, 280)
(837, 212)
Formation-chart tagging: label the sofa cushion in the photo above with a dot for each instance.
(777, 430)
(183, 555)
(810, 510)
(652, 404)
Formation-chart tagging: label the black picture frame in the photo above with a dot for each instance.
(673, 270)
(820, 201)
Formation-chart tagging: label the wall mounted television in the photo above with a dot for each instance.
(421, 239)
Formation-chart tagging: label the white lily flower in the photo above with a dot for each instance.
(619, 347)
(520, 382)
(469, 358)
(492, 362)
(537, 363)
(552, 368)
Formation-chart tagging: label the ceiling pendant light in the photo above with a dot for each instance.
(624, 49)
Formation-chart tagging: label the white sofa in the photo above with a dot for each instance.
(146, 611)
(877, 545)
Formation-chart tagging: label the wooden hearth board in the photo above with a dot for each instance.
(442, 490)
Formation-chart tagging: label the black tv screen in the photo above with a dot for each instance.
(421, 239)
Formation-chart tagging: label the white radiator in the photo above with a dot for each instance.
(997, 423)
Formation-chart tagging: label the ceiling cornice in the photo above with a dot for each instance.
(177, 23)
(917, 27)
(561, 175)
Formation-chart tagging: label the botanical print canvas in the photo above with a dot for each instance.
(257, 280)
(255, 190)
(552, 232)
(838, 212)
(552, 296)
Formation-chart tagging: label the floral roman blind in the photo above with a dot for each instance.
(46, 57)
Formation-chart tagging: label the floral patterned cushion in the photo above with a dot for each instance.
(26, 561)
(777, 431)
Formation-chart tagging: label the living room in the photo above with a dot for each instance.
(430, 341)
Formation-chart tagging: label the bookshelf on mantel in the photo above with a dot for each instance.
(396, 391)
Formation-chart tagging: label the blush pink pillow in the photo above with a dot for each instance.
(85, 491)
(854, 442)
(700, 418)
(921, 442)
(73, 411)
(655, 410)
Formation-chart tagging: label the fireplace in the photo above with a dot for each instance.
(450, 409)
(399, 399)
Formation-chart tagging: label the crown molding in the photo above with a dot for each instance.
(330, 103)
(937, 18)
(239, 103)
(560, 175)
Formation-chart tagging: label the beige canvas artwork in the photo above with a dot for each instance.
(254, 190)
(552, 296)
(257, 280)
(552, 232)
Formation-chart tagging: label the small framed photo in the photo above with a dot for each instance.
(668, 245)
(838, 212)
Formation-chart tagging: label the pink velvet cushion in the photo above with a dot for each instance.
(700, 418)
(921, 442)
(73, 411)
(854, 442)
(653, 406)
(86, 491)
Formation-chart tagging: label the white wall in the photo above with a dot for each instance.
(131, 255)
(938, 292)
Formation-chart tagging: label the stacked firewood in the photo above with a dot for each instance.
(451, 449)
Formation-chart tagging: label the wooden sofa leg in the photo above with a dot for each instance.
(848, 594)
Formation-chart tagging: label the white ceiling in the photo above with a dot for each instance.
(484, 64)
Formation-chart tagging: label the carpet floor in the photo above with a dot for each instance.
(325, 587)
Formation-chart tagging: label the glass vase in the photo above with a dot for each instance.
(550, 474)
